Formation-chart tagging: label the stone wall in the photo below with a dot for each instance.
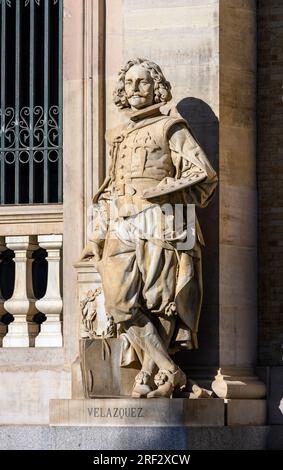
(199, 45)
(183, 37)
(270, 181)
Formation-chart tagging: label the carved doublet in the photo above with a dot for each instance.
(141, 153)
(140, 156)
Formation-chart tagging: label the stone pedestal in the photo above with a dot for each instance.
(137, 412)
(157, 412)
(245, 412)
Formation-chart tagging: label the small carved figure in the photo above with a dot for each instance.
(90, 320)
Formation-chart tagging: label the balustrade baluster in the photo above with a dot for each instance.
(3, 327)
(23, 330)
(51, 304)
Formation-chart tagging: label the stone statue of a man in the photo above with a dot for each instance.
(151, 280)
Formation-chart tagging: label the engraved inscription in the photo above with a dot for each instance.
(121, 413)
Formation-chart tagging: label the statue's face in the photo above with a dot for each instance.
(139, 87)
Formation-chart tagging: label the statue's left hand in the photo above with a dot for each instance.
(92, 250)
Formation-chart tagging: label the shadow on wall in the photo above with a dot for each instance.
(204, 126)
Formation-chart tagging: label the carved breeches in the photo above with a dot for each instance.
(137, 274)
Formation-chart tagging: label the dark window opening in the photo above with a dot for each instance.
(31, 101)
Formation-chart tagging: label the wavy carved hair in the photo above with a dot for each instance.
(162, 88)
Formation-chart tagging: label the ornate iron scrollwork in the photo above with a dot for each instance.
(30, 136)
(38, 2)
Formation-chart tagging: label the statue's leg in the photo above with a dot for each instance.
(127, 278)
(144, 380)
(165, 380)
(165, 327)
(143, 333)
(121, 279)
(122, 284)
(158, 265)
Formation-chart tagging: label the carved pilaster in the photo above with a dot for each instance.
(51, 304)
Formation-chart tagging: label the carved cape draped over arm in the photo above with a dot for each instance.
(199, 181)
(194, 174)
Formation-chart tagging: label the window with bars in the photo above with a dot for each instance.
(31, 101)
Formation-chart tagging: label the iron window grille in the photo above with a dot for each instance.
(31, 138)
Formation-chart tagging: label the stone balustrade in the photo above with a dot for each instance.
(3, 326)
(22, 313)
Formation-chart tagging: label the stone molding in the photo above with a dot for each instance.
(31, 219)
(238, 386)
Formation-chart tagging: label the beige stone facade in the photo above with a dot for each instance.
(213, 77)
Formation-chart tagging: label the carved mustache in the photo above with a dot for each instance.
(142, 95)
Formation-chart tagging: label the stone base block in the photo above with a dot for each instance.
(246, 412)
(141, 438)
(137, 412)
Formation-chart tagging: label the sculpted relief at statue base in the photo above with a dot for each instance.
(146, 242)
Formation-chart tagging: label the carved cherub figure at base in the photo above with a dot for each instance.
(150, 266)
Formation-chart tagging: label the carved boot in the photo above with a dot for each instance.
(166, 381)
(141, 387)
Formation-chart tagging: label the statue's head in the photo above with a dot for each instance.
(141, 84)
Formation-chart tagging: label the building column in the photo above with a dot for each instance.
(238, 205)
